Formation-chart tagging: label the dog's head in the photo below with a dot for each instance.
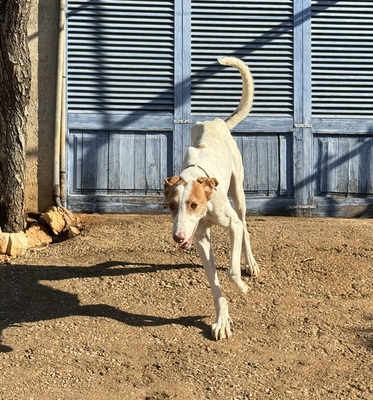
(187, 202)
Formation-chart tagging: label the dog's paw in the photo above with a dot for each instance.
(222, 328)
(239, 285)
(252, 269)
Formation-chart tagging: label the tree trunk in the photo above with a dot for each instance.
(15, 79)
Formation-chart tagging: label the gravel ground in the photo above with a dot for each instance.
(120, 312)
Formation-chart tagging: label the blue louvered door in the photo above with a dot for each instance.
(342, 106)
(120, 103)
(141, 72)
(261, 34)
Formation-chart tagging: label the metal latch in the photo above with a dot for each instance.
(302, 125)
(302, 207)
(182, 121)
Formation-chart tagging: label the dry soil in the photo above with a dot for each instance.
(120, 312)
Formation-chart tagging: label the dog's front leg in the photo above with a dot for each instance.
(221, 328)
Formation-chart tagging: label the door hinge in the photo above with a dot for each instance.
(182, 121)
(302, 125)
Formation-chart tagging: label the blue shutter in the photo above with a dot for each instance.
(260, 33)
(120, 95)
(140, 72)
(120, 63)
(342, 59)
(342, 101)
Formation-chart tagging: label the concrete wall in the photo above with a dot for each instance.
(42, 34)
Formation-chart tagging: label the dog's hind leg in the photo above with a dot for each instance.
(228, 218)
(239, 201)
(221, 328)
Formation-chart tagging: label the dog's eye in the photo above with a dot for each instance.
(171, 206)
(193, 205)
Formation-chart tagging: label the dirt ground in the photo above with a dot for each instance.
(120, 312)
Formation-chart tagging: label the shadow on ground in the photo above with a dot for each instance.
(24, 299)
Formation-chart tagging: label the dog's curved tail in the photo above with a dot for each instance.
(247, 97)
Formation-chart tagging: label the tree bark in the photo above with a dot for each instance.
(15, 80)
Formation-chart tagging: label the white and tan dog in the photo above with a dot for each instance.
(198, 198)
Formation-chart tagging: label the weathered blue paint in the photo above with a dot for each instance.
(344, 165)
(140, 73)
(112, 162)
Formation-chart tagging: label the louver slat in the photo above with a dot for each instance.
(261, 33)
(342, 59)
(120, 57)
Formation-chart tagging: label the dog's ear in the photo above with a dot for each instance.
(171, 180)
(208, 184)
(168, 182)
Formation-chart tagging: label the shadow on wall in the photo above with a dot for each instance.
(45, 24)
(48, 17)
(98, 37)
(47, 46)
(256, 43)
(348, 174)
(358, 164)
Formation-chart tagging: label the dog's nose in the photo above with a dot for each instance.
(179, 237)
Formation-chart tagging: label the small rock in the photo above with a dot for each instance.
(38, 235)
(4, 240)
(17, 244)
(70, 218)
(73, 231)
(55, 220)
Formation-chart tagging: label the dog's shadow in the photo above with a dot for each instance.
(23, 298)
